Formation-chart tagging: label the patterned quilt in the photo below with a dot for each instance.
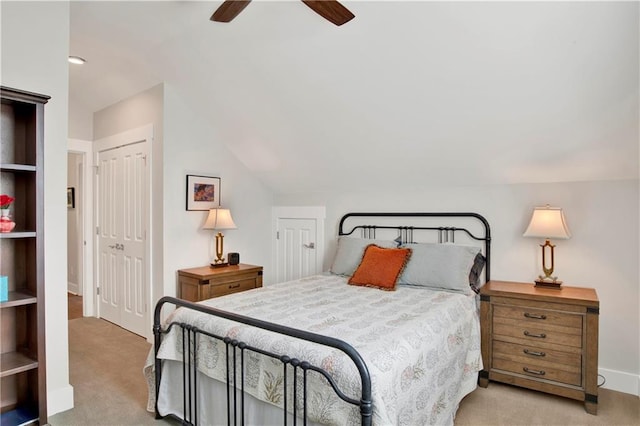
(422, 347)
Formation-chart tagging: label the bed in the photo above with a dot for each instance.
(337, 348)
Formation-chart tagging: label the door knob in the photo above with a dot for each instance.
(310, 245)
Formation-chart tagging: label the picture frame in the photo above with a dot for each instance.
(203, 192)
(71, 198)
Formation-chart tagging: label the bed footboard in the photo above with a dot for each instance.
(235, 349)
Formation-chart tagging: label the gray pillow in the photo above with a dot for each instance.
(441, 266)
(350, 251)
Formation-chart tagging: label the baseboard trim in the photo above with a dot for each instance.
(620, 381)
(59, 400)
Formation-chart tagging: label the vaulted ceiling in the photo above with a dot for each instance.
(406, 94)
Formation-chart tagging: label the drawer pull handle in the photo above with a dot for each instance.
(534, 353)
(234, 286)
(536, 372)
(535, 316)
(539, 336)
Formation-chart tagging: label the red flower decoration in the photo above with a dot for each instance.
(5, 201)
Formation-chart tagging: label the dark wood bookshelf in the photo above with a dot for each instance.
(23, 357)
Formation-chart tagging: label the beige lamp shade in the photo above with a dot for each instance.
(548, 222)
(219, 219)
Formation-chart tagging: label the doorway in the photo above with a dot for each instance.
(74, 306)
(75, 217)
(79, 226)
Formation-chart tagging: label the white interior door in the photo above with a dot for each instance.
(299, 241)
(122, 202)
(296, 248)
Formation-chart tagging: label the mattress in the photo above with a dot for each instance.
(421, 346)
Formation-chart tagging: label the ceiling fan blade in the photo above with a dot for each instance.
(331, 10)
(229, 10)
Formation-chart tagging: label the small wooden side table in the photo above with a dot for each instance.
(196, 284)
(541, 338)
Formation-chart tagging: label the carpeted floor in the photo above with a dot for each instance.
(501, 404)
(105, 370)
(109, 389)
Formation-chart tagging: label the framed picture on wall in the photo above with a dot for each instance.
(203, 192)
(71, 198)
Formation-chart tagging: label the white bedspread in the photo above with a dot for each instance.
(422, 347)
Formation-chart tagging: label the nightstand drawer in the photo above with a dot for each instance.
(231, 287)
(530, 335)
(539, 372)
(536, 355)
(537, 316)
(218, 280)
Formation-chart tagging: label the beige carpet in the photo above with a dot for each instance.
(105, 370)
(509, 405)
(106, 373)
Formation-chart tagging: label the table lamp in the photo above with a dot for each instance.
(219, 219)
(548, 222)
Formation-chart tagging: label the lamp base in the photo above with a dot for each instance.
(549, 284)
(219, 265)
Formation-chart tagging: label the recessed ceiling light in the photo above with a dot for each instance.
(77, 60)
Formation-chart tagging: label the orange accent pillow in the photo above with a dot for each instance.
(380, 267)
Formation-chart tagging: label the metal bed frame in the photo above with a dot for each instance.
(235, 396)
(445, 233)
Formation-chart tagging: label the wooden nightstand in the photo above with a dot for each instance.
(196, 284)
(541, 339)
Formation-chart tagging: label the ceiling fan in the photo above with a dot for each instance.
(331, 10)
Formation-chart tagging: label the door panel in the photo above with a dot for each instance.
(108, 236)
(122, 233)
(133, 246)
(296, 248)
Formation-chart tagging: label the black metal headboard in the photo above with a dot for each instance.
(446, 233)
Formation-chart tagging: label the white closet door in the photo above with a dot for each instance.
(121, 219)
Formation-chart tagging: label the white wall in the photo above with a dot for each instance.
(603, 252)
(192, 147)
(80, 119)
(35, 40)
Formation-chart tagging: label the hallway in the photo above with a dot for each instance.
(75, 306)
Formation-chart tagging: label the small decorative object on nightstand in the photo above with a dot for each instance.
(219, 219)
(548, 222)
(196, 284)
(541, 339)
(234, 258)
